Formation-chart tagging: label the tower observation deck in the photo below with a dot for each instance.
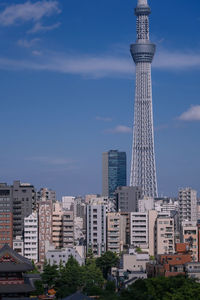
(143, 169)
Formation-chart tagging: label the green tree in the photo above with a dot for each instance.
(70, 278)
(106, 262)
(50, 275)
(92, 279)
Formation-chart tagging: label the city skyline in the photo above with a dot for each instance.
(69, 55)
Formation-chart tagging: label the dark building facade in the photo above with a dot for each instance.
(113, 171)
(127, 198)
(24, 202)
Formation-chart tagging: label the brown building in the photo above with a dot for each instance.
(6, 215)
(170, 264)
(45, 226)
(68, 229)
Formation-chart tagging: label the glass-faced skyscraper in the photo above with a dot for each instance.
(113, 171)
(143, 169)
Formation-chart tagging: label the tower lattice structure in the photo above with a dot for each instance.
(143, 169)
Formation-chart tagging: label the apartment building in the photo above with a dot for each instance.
(190, 236)
(68, 229)
(164, 235)
(187, 200)
(139, 230)
(31, 237)
(57, 225)
(116, 232)
(45, 226)
(96, 228)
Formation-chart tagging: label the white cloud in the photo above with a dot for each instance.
(174, 60)
(120, 129)
(104, 119)
(38, 27)
(99, 66)
(28, 11)
(192, 114)
(28, 43)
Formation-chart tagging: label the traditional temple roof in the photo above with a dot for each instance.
(17, 289)
(11, 261)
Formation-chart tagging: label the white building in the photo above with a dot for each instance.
(139, 231)
(96, 228)
(68, 202)
(62, 255)
(31, 237)
(187, 200)
(145, 204)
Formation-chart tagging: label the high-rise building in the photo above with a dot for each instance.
(127, 198)
(68, 229)
(139, 226)
(164, 235)
(24, 203)
(6, 215)
(57, 225)
(96, 228)
(113, 171)
(46, 193)
(45, 226)
(143, 169)
(187, 200)
(31, 237)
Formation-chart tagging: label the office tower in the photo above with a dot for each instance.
(190, 236)
(164, 235)
(6, 215)
(96, 228)
(57, 225)
(127, 198)
(68, 229)
(139, 226)
(68, 202)
(116, 232)
(143, 169)
(187, 200)
(31, 237)
(45, 226)
(24, 203)
(113, 171)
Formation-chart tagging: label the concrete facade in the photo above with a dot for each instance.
(116, 232)
(190, 236)
(68, 229)
(187, 200)
(127, 198)
(164, 236)
(45, 226)
(57, 225)
(62, 255)
(139, 230)
(96, 228)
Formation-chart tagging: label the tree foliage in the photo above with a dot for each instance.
(106, 262)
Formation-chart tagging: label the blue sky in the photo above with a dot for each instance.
(67, 91)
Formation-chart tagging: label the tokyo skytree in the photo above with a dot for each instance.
(143, 169)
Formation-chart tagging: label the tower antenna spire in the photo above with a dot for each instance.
(143, 169)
